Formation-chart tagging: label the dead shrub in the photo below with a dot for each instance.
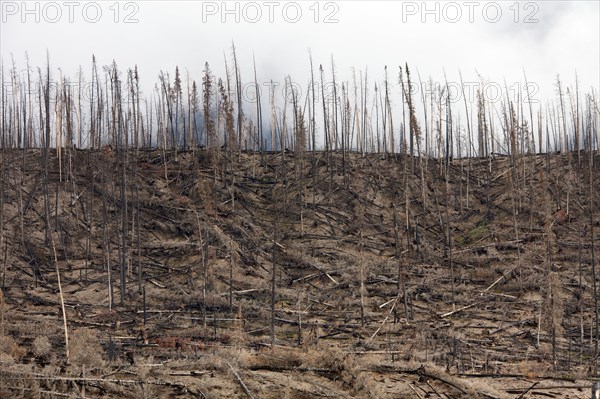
(41, 346)
(85, 348)
(10, 351)
(282, 358)
(349, 370)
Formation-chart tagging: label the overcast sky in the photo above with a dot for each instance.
(497, 40)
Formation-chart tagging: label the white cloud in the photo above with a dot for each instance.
(368, 34)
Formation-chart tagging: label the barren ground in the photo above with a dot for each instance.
(393, 277)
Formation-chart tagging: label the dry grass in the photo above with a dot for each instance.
(10, 350)
(85, 349)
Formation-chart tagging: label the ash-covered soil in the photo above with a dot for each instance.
(218, 274)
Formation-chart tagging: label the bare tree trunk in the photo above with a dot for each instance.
(593, 254)
(325, 114)
(203, 272)
(273, 277)
(62, 301)
(335, 108)
(362, 275)
(45, 157)
(446, 194)
(106, 241)
(401, 283)
(121, 159)
(258, 114)
(565, 141)
(389, 115)
(238, 84)
(230, 277)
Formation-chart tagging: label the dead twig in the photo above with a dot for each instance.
(458, 310)
(415, 391)
(241, 382)
(527, 390)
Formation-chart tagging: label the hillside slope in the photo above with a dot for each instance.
(221, 274)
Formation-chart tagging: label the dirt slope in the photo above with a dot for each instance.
(391, 277)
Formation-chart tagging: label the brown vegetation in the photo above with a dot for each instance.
(353, 273)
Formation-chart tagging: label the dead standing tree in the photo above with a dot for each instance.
(121, 161)
(238, 86)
